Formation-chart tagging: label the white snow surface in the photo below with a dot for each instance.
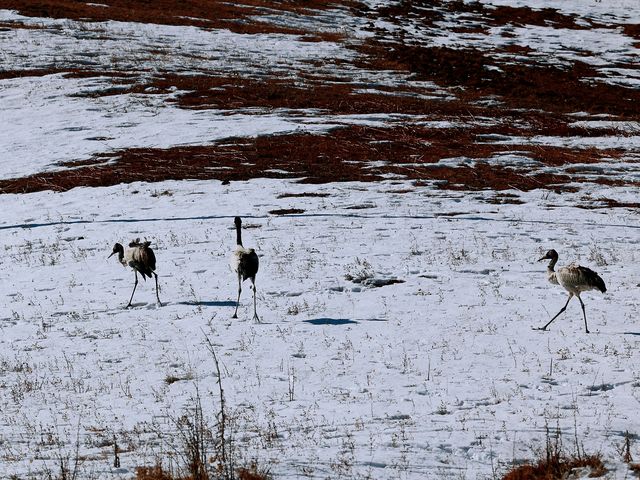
(440, 376)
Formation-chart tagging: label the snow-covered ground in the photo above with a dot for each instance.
(440, 375)
(436, 374)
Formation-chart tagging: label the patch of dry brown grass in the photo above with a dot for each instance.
(158, 473)
(237, 16)
(556, 468)
(546, 88)
(354, 153)
(153, 473)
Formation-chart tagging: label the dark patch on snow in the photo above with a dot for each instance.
(330, 321)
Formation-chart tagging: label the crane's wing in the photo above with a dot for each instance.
(592, 278)
(249, 264)
(143, 260)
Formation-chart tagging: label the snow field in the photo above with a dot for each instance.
(439, 376)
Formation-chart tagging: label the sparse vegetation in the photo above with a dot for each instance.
(553, 463)
(206, 451)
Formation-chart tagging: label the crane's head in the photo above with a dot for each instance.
(237, 221)
(550, 255)
(117, 248)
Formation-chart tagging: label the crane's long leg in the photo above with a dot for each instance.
(134, 289)
(557, 314)
(255, 314)
(235, 314)
(157, 293)
(584, 314)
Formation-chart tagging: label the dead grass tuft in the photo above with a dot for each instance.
(252, 473)
(158, 473)
(557, 467)
(153, 473)
(553, 464)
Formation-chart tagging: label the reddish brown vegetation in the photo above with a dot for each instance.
(479, 15)
(546, 88)
(632, 29)
(343, 155)
(158, 473)
(252, 473)
(235, 16)
(119, 77)
(40, 72)
(518, 16)
(229, 93)
(152, 473)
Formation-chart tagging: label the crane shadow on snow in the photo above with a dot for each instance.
(210, 303)
(330, 321)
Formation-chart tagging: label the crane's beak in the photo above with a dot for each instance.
(543, 258)
(110, 255)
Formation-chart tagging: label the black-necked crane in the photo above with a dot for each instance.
(141, 259)
(575, 279)
(245, 262)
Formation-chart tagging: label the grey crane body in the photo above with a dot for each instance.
(575, 279)
(140, 257)
(245, 263)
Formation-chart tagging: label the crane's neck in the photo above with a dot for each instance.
(551, 273)
(121, 257)
(238, 234)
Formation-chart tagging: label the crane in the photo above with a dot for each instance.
(245, 262)
(141, 259)
(575, 279)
